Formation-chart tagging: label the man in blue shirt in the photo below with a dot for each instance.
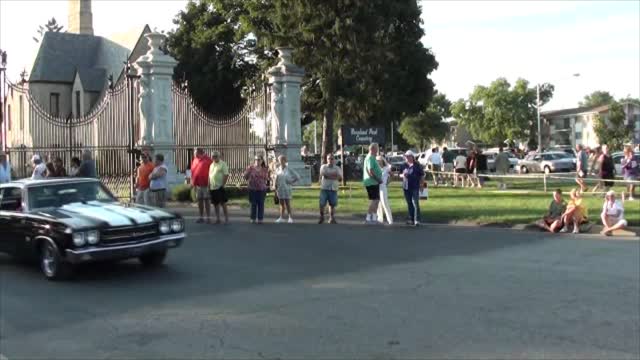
(412, 177)
(5, 169)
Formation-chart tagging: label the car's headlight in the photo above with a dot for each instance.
(79, 239)
(165, 227)
(93, 237)
(176, 225)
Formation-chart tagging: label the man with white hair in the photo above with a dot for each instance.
(39, 168)
(612, 214)
(5, 169)
(372, 178)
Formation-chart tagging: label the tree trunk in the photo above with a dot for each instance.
(327, 129)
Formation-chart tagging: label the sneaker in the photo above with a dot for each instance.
(200, 221)
(576, 230)
(409, 222)
(564, 230)
(321, 221)
(253, 221)
(631, 198)
(416, 224)
(279, 220)
(332, 221)
(290, 221)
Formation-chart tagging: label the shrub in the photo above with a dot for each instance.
(182, 193)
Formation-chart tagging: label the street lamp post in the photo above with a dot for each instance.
(3, 79)
(538, 114)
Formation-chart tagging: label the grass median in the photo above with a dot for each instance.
(525, 202)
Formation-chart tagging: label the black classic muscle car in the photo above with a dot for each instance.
(66, 221)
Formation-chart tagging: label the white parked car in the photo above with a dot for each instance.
(617, 159)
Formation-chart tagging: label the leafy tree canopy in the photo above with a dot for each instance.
(51, 25)
(597, 98)
(428, 126)
(498, 112)
(611, 129)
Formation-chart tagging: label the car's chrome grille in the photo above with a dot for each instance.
(128, 234)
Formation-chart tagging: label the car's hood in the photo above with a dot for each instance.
(98, 214)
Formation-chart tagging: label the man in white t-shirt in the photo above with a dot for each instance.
(612, 214)
(460, 164)
(39, 168)
(435, 159)
(330, 176)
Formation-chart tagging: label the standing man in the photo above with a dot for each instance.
(142, 182)
(200, 181)
(412, 177)
(87, 167)
(158, 183)
(330, 177)
(502, 167)
(218, 176)
(447, 160)
(435, 159)
(372, 178)
(5, 169)
(39, 168)
(582, 166)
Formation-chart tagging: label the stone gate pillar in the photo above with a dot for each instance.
(155, 103)
(286, 130)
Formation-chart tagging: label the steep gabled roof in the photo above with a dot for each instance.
(62, 54)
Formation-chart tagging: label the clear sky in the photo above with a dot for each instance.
(475, 42)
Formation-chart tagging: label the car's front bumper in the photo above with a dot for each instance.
(124, 251)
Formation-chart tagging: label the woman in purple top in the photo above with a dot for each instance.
(412, 177)
(257, 176)
(630, 169)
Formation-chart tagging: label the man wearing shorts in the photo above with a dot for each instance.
(218, 176)
(460, 164)
(372, 178)
(612, 214)
(200, 181)
(330, 176)
(447, 162)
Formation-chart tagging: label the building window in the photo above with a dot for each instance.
(78, 104)
(54, 104)
(566, 123)
(21, 117)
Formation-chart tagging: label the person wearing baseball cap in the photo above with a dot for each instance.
(39, 168)
(412, 177)
(612, 214)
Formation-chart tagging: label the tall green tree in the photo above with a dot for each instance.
(597, 98)
(498, 112)
(428, 126)
(212, 56)
(364, 59)
(51, 25)
(611, 128)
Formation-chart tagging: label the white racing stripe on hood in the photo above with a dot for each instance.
(99, 213)
(139, 216)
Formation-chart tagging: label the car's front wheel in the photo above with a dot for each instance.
(52, 265)
(547, 170)
(524, 170)
(153, 259)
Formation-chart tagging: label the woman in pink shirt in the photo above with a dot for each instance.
(257, 176)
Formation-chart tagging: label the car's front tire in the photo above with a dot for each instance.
(154, 259)
(51, 263)
(547, 170)
(524, 170)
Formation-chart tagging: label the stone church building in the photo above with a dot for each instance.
(71, 71)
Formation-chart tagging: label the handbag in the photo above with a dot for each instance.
(276, 200)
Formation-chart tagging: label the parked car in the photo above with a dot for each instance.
(67, 221)
(396, 162)
(491, 160)
(546, 162)
(617, 160)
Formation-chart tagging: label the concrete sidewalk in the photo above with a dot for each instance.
(241, 215)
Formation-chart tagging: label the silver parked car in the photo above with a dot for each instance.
(546, 162)
(617, 159)
(491, 160)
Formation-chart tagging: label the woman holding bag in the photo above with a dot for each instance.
(285, 178)
(257, 176)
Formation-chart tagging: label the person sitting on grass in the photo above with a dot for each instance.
(612, 214)
(576, 212)
(552, 221)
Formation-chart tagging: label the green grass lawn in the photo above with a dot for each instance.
(524, 202)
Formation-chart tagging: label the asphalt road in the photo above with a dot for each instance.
(338, 292)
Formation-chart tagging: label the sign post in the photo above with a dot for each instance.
(341, 141)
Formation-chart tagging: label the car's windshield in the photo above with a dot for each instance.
(396, 159)
(57, 195)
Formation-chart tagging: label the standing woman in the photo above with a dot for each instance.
(285, 178)
(471, 168)
(595, 165)
(607, 169)
(384, 207)
(412, 177)
(630, 169)
(257, 175)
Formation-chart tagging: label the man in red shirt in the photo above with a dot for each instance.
(200, 181)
